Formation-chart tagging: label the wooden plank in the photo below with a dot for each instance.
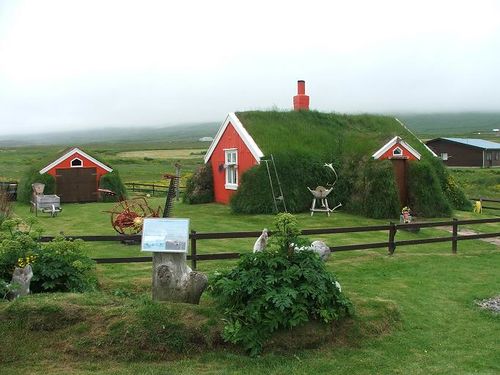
(365, 246)
(214, 256)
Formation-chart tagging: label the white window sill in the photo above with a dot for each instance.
(231, 186)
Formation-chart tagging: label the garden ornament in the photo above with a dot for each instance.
(21, 279)
(321, 193)
(261, 243)
(478, 207)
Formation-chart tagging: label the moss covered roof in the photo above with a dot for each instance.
(327, 134)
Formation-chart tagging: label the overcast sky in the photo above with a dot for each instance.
(67, 64)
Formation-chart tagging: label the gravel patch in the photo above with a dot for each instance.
(492, 304)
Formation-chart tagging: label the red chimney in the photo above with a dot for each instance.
(301, 100)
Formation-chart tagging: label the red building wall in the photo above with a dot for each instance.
(230, 139)
(66, 164)
(388, 154)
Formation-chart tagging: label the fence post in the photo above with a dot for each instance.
(392, 235)
(193, 250)
(153, 190)
(454, 236)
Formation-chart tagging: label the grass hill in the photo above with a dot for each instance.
(302, 142)
(446, 124)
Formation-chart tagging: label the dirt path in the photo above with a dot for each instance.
(468, 232)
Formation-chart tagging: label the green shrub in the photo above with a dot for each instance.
(364, 186)
(61, 266)
(31, 176)
(16, 244)
(113, 182)
(452, 191)
(296, 172)
(425, 193)
(278, 288)
(370, 189)
(58, 266)
(200, 186)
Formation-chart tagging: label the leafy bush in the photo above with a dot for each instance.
(452, 191)
(58, 266)
(61, 266)
(200, 186)
(16, 244)
(30, 177)
(278, 288)
(296, 171)
(364, 186)
(370, 189)
(425, 193)
(113, 182)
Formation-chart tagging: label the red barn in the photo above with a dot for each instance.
(77, 176)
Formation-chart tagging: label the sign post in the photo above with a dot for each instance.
(173, 280)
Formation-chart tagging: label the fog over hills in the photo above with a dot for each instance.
(467, 124)
(184, 132)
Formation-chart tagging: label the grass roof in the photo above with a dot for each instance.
(328, 134)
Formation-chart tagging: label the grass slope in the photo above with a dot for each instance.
(329, 135)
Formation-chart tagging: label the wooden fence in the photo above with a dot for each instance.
(391, 244)
(149, 188)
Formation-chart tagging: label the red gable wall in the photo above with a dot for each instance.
(406, 154)
(66, 164)
(230, 139)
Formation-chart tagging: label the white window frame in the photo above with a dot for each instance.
(400, 151)
(76, 166)
(231, 168)
(444, 156)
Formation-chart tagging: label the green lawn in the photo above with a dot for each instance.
(415, 309)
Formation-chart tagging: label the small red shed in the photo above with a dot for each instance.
(77, 176)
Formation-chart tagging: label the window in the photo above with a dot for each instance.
(497, 154)
(397, 152)
(231, 165)
(488, 156)
(76, 163)
(444, 156)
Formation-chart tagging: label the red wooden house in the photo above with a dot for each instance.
(233, 150)
(77, 176)
(231, 153)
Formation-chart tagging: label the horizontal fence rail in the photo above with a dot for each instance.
(391, 244)
(149, 188)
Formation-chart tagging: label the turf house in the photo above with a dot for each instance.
(381, 165)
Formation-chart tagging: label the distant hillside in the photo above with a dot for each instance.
(178, 133)
(466, 123)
